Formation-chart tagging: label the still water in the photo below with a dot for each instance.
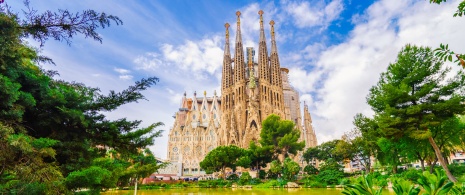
(228, 191)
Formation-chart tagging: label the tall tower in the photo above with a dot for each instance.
(277, 100)
(226, 89)
(309, 133)
(239, 93)
(264, 76)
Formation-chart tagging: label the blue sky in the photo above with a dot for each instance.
(335, 50)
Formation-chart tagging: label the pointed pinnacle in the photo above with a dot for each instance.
(227, 31)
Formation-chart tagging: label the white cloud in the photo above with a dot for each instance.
(149, 61)
(121, 70)
(125, 77)
(315, 14)
(198, 57)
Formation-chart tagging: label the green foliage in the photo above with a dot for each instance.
(276, 167)
(261, 174)
(259, 156)
(92, 177)
(269, 184)
(313, 182)
(222, 157)
(458, 190)
(63, 25)
(404, 187)
(435, 184)
(310, 169)
(50, 128)
(280, 136)
(330, 176)
(413, 96)
(290, 169)
(325, 151)
(457, 169)
(364, 185)
(245, 178)
(411, 174)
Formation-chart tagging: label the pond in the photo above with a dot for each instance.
(229, 191)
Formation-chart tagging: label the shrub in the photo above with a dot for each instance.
(330, 176)
(262, 174)
(310, 169)
(411, 174)
(456, 169)
(245, 178)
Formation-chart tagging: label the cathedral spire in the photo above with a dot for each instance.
(274, 59)
(239, 66)
(273, 40)
(227, 67)
(263, 68)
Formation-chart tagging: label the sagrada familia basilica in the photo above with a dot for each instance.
(250, 91)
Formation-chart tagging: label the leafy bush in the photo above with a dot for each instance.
(290, 169)
(245, 178)
(364, 185)
(255, 181)
(401, 186)
(330, 176)
(310, 169)
(261, 174)
(457, 169)
(436, 183)
(411, 174)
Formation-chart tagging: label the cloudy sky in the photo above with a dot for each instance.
(335, 50)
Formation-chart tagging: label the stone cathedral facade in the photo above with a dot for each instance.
(250, 91)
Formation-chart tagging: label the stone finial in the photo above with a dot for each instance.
(238, 13)
(227, 31)
(261, 18)
(272, 22)
(214, 92)
(204, 93)
(185, 94)
(195, 93)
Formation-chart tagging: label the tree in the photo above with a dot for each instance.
(328, 151)
(258, 157)
(221, 158)
(281, 136)
(311, 154)
(62, 25)
(365, 143)
(275, 168)
(64, 121)
(290, 169)
(413, 96)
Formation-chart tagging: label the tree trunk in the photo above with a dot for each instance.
(422, 162)
(431, 167)
(135, 188)
(223, 171)
(441, 160)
